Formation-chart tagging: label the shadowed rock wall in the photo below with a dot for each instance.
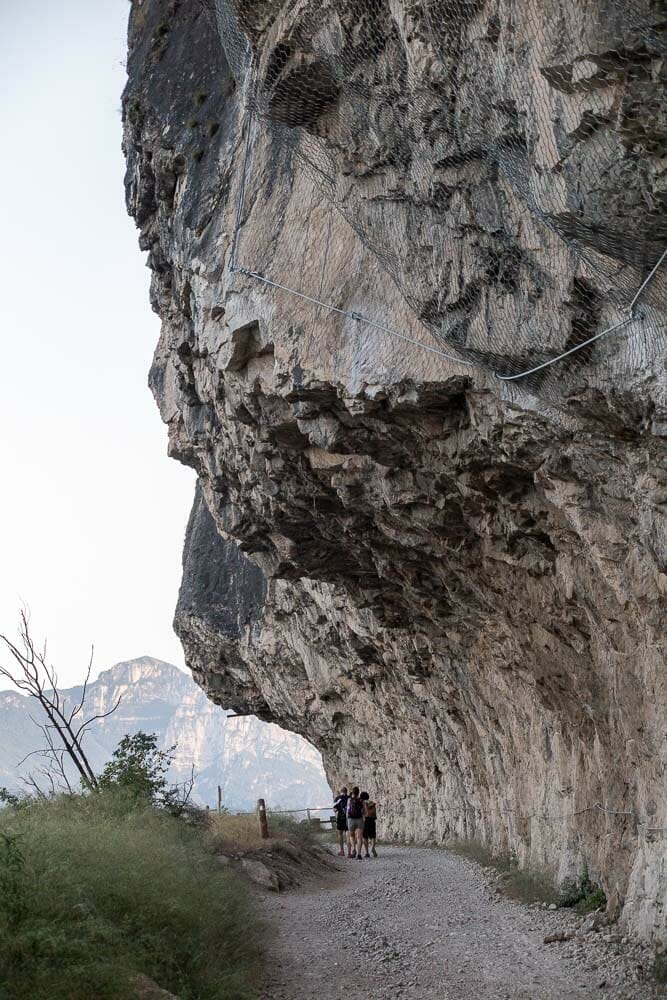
(455, 592)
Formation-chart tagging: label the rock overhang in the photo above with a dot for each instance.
(456, 590)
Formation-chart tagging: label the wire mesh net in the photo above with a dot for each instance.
(503, 161)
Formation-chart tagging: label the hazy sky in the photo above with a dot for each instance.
(92, 512)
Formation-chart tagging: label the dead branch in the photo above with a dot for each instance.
(33, 675)
(77, 708)
(96, 718)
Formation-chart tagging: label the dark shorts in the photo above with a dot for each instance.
(369, 829)
(341, 821)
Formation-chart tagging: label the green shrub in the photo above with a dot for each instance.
(12, 879)
(582, 894)
(595, 900)
(660, 969)
(138, 766)
(9, 798)
(102, 887)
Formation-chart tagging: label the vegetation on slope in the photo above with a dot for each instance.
(230, 832)
(96, 889)
(531, 885)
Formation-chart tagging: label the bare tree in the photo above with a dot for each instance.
(179, 800)
(53, 767)
(65, 726)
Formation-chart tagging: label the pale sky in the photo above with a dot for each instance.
(92, 512)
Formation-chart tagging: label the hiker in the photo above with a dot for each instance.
(370, 815)
(355, 824)
(340, 808)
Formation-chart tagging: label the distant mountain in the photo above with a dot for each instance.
(249, 759)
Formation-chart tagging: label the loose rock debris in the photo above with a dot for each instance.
(428, 925)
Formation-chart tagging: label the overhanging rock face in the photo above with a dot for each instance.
(457, 594)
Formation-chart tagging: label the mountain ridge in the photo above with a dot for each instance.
(246, 757)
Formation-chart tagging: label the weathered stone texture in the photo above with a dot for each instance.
(457, 594)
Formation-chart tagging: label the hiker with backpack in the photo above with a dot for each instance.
(369, 833)
(340, 808)
(355, 824)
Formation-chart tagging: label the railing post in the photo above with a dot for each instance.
(263, 824)
(219, 799)
(308, 813)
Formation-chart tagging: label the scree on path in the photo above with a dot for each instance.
(424, 924)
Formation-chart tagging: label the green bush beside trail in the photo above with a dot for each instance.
(97, 888)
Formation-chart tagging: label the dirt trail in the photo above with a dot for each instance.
(425, 924)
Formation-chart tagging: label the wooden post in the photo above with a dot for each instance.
(308, 812)
(261, 815)
(219, 799)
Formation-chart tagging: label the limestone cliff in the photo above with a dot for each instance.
(453, 589)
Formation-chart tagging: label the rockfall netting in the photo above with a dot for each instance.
(502, 160)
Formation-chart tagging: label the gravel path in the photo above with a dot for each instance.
(427, 925)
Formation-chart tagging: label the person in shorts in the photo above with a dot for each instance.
(369, 832)
(340, 808)
(355, 824)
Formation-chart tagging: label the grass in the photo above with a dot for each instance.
(304, 833)
(478, 852)
(505, 863)
(231, 834)
(533, 886)
(530, 886)
(525, 884)
(95, 889)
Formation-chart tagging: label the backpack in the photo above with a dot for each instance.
(370, 810)
(355, 809)
(340, 805)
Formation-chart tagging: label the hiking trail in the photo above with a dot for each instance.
(427, 925)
